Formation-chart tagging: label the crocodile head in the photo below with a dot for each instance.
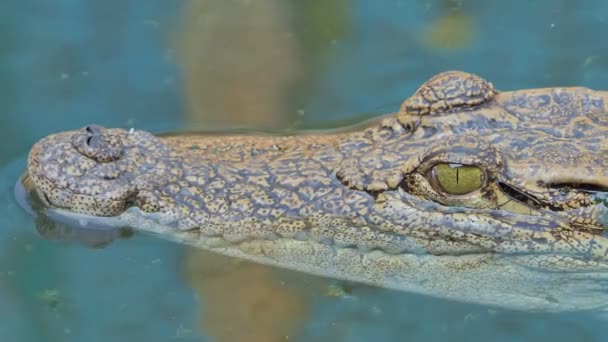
(536, 152)
(473, 178)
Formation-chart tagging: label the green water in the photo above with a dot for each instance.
(178, 65)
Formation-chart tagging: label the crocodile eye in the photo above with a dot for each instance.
(456, 179)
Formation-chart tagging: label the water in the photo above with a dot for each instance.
(281, 65)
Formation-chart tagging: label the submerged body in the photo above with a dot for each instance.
(466, 193)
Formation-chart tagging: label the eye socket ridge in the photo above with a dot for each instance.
(456, 179)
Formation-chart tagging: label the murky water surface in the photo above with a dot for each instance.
(273, 65)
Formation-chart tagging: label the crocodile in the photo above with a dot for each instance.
(466, 193)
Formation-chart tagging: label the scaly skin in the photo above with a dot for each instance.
(364, 205)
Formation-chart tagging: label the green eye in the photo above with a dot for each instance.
(456, 179)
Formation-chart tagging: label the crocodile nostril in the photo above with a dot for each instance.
(94, 141)
(93, 129)
(98, 143)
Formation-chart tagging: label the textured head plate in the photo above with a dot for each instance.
(447, 92)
